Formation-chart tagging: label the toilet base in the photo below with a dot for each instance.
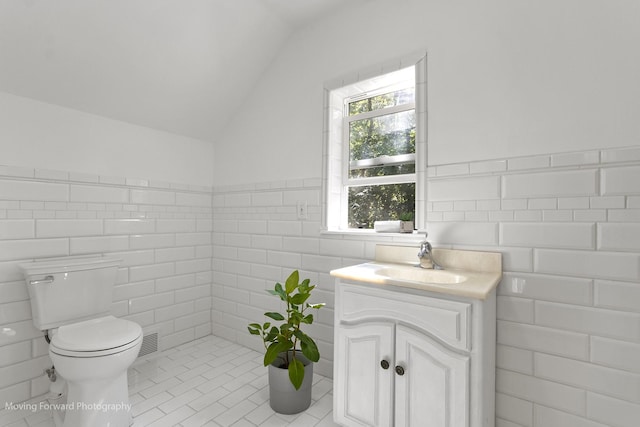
(98, 404)
(97, 389)
(57, 405)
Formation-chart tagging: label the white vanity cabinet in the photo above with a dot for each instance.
(407, 357)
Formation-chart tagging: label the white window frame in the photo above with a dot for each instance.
(336, 148)
(348, 182)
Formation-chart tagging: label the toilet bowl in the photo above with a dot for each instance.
(93, 357)
(90, 349)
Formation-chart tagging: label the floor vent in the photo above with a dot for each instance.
(149, 344)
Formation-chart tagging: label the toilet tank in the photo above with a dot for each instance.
(70, 289)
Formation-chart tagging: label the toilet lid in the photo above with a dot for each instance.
(96, 334)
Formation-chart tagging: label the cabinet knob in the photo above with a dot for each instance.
(399, 370)
(384, 364)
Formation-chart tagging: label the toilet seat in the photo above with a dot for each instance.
(96, 337)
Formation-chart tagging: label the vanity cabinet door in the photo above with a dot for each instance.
(431, 382)
(363, 383)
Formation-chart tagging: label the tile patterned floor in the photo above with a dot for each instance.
(207, 382)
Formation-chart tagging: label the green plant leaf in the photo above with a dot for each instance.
(253, 331)
(304, 286)
(285, 336)
(316, 306)
(278, 288)
(296, 373)
(308, 319)
(266, 326)
(272, 335)
(308, 347)
(273, 351)
(279, 291)
(300, 298)
(295, 317)
(292, 282)
(274, 315)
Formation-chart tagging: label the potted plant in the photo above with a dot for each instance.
(406, 222)
(289, 352)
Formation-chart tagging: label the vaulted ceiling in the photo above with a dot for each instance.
(180, 66)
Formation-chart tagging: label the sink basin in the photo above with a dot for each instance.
(469, 274)
(422, 275)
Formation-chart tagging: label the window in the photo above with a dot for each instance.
(375, 156)
(380, 136)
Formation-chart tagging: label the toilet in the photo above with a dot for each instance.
(90, 349)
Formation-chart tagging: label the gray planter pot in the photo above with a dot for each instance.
(406, 226)
(283, 397)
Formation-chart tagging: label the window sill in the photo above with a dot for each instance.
(417, 234)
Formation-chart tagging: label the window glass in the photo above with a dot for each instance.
(369, 203)
(381, 132)
(386, 100)
(382, 145)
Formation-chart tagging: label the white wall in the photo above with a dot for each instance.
(73, 183)
(160, 231)
(505, 79)
(568, 307)
(512, 87)
(37, 135)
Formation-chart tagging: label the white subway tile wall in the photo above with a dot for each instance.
(569, 302)
(258, 240)
(566, 225)
(162, 233)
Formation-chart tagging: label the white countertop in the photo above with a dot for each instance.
(477, 273)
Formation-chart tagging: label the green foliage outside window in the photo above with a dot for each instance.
(379, 202)
(383, 135)
(381, 101)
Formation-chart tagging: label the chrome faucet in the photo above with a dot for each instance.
(426, 251)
